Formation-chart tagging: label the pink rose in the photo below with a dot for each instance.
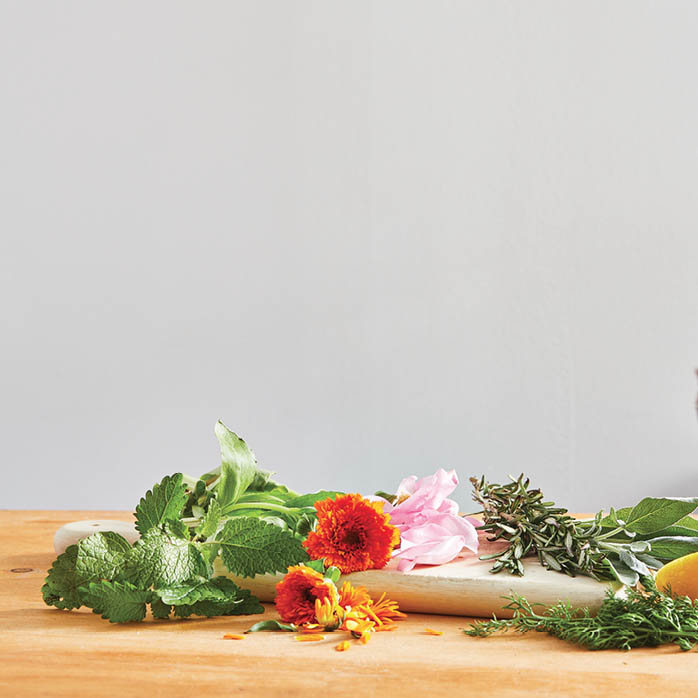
(431, 531)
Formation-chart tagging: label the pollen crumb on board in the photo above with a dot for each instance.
(233, 636)
(431, 631)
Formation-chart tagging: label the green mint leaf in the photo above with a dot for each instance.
(238, 467)
(165, 501)
(101, 556)
(160, 558)
(249, 546)
(219, 596)
(117, 602)
(61, 588)
(177, 528)
(209, 523)
(249, 605)
(159, 609)
(656, 513)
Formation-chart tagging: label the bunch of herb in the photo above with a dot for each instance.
(622, 545)
(235, 513)
(644, 618)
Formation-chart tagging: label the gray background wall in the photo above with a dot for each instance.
(373, 238)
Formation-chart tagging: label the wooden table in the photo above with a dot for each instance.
(46, 652)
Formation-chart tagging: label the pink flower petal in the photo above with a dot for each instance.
(431, 531)
(433, 553)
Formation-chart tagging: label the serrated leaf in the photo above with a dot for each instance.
(238, 467)
(219, 596)
(165, 501)
(250, 546)
(117, 602)
(159, 609)
(101, 556)
(250, 604)
(198, 589)
(96, 557)
(61, 588)
(211, 519)
(177, 528)
(160, 558)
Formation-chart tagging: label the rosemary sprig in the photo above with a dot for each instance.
(519, 515)
(645, 618)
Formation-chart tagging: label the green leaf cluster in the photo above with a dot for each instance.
(118, 581)
(235, 511)
(239, 488)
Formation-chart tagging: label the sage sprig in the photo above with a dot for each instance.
(622, 545)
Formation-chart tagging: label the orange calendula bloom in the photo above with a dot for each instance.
(386, 611)
(352, 533)
(298, 591)
(351, 597)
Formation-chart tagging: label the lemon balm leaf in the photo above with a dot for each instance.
(160, 558)
(117, 602)
(249, 546)
(61, 588)
(165, 501)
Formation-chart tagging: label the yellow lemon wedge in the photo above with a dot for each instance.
(681, 575)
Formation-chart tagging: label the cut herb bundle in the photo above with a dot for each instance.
(255, 526)
(623, 545)
(645, 618)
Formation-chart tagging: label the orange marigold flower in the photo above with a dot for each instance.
(386, 610)
(359, 626)
(359, 606)
(297, 592)
(352, 533)
(352, 597)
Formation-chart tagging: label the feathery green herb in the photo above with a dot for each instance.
(645, 618)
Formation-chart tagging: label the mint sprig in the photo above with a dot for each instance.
(250, 546)
(165, 501)
(234, 511)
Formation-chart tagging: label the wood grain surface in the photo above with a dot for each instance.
(47, 652)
